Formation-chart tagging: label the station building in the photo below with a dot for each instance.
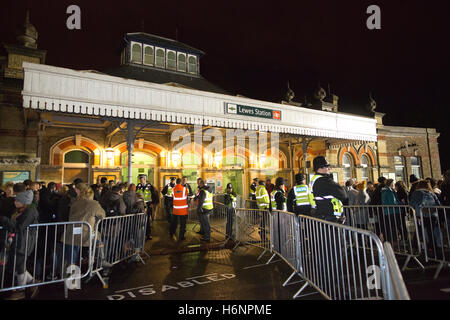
(58, 124)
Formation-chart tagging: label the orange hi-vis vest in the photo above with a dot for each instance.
(180, 203)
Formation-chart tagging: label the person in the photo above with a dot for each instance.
(151, 200)
(392, 222)
(22, 243)
(375, 200)
(370, 189)
(434, 187)
(86, 209)
(7, 190)
(7, 206)
(360, 215)
(184, 183)
(351, 191)
(113, 203)
(263, 203)
(47, 203)
(229, 201)
(300, 199)
(270, 186)
(73, 192)
(139, 205)
(97, 191)
(328, 195)
(423, 197)
(445, 189)
(63, 202)
(413, 181)
(34, 186)
(180, 210)
(252, 193)
(168, 198)
(204, 209)
(402, 193)
(278, 196)
(130, 198)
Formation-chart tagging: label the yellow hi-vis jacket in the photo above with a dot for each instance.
(262, 197)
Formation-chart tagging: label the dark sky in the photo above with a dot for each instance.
(254, 47)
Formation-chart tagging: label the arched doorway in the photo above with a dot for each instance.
(142, 163)
(76, 164)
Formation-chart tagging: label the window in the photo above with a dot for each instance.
(416, 168)
(347, 166)
(192, 65)
(149, 55)
(181, 62)
(136, 52)
(76, 156)
(171, 60)
(365, 167)
(160, 58)
(399, 168)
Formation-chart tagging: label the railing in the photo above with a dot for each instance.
(253, 228)
(396, 224)
(396, 289)
(44, 254)
(222, 220)
(117, 239)
(435, 236)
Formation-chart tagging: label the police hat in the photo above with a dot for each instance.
(255, 179)
(320, 162)
(279, 181)
(299, 177)
(142, 176)
(173, 178)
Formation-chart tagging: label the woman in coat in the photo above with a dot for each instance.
(391, 221)
(84, 208)
(17, 225)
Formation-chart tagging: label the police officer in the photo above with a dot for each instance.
(204, 209)
(151, 200)
(230, 201)
(328, 195)
(184, 183)
(168, 198)
(253, 187)
(263, 202)
(278, 198)
(300, 198)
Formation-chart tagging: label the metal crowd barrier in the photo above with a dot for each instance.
(395, 224)
(117, 239)
(45, 253)
(251, 204)
(192, 214)
(341, 262)
(435, 236)
(396, 289)
(222, 220)
(253, 228)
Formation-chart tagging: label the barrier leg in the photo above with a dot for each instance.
(289, 279)
(261, 255)
(273, 256)
(300, 291)
(441, 264)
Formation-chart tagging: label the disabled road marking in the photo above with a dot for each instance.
(446, 290)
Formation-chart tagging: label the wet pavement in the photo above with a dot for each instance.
(192, 270)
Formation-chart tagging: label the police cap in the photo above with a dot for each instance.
(142, 176)
(320, 162)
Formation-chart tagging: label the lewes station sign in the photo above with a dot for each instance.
(241, 110)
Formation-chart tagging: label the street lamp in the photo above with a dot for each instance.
(110, 155)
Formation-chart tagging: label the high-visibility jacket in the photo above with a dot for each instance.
(252, 192)
(208, 203)
(169, 191)
(274, 203)
(180, 203)
(262, 197)
(335, 202)
(232, 203)
(304, 196)
(145, 190)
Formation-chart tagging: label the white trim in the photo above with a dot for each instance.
(167, 59)
(65, 90)
(156, 57)
(143, 55)
(131, 52)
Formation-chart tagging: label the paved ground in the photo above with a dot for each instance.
(192, 270)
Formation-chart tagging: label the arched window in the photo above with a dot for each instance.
(136, 52)
(76, 156)
(149, 55)
(347, 165)
(365, 167)
(171, 60)
(192, 64)
(399, 164)
(160, 57)
(181, 62)
(416, 167)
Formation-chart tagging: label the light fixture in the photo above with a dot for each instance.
(176, 157)
(109, 153)
(262, 160)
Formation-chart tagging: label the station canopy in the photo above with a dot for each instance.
(55, 89)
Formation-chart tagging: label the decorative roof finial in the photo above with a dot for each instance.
(27, 34)
(289, 96)
(372, 104)
(320, 93)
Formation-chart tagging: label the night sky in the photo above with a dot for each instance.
(254, 47)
